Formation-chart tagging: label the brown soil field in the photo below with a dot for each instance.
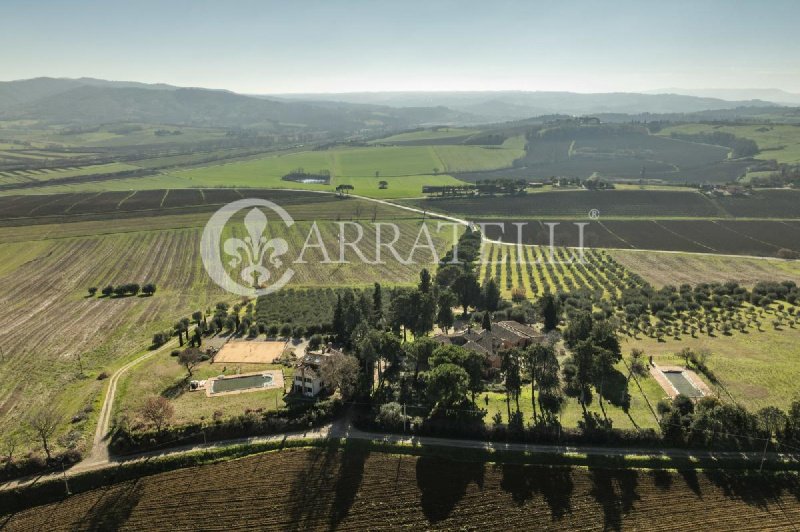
(660, 269)
(250, 352)
(325, 489)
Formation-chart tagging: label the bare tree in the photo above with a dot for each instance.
(44, 424)
(157, 411)
(8, 446)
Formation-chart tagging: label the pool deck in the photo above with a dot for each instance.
(658, 374)
(277, 382)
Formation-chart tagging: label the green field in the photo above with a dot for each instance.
(779, 142)
(427, 134)
(405, 168)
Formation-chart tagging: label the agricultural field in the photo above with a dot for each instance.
(630, 156)
(675, 269)
(776, 141)
(747, 237)
(436, 134)
(626, 203)
(405, 169)
(58, 341)
(48, 174)
(353, 488)
(35, 209)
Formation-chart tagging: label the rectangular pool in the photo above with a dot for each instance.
(233, 384)
(682, 384)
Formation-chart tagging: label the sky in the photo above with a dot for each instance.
(310, 46)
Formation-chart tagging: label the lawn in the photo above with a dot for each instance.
(757, 368)
(163, 375)
(637, 416)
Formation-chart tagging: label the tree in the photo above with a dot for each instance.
(550, 308)
(107, 290)
(542, 365)
(92, 291)
(377, 304)
(149, 289)
(486, 323)
(8, 446)
(189, 359)
(578, 329)
(444, 316)
(490, 295)
(447, 384)
(424, 281)
(466, 289)
(383, 185)
(468, 360)
(510, 367)
(157, 411)
(44, 424)
(339, 371)
(420, 352)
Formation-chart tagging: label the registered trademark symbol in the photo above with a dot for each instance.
(594, 214)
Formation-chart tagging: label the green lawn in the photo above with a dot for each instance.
(163, 375)
(638, 415)
(757, 368)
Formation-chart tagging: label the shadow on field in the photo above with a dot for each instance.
(348, 482)
(331, 480)
(755, 489)
(113, 508)
(554, 484)
(616, 492)
(443, 483)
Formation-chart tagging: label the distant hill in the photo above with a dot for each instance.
(515, 105)
(772, 95)
(92, 101)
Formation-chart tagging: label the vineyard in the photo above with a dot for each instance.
(770, 238)
(57, 340)
(324, 489)
(624, 203)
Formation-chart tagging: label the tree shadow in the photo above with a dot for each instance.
(616, 492)
(690, 477)
(113, 508)
(752, 488)
(348, 482)
(310, 488)
(553, 484)
(176, 389)
(615, 389)
(443, 483)
(662, 479)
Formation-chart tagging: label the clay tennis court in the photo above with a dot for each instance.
(249, 352)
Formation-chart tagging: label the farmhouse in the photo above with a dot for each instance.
(504, 335)
(307, 378)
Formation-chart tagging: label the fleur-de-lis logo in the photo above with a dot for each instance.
(252, 249)
(254, 258)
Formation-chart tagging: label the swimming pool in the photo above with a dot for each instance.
(682, 384)
(244, 382)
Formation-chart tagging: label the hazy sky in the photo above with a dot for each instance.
(374, 45)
